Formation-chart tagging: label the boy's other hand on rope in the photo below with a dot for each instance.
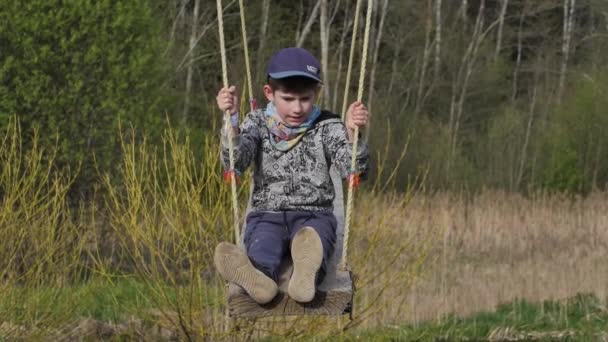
(227, 100)
(357, 116)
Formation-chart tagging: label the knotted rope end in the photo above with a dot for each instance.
(253, 104)
(228, 176)
(353, 179)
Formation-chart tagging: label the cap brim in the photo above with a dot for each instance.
(284, 74)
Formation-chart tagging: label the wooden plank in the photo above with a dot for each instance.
(329, 300)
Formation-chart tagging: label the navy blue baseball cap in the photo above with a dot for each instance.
(294, 61)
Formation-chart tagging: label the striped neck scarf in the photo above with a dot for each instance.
(282, 136)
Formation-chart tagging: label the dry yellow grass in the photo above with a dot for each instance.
(498, 246)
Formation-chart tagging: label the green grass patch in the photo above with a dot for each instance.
(102, 299)
(583, 317)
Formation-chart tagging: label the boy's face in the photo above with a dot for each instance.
(293, 108)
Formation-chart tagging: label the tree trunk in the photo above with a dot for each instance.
(350, 59)
(425, 59)
(192, 45)
(466, 69)
(524, 149)
(437, 38)
(372, 77)
(306, 30)
(463, 10)
(395, 61)
(300, 19)
(260, 72)
(345, 28)
(568, 24)
(324, 32)
(519, 51)
(501, 22)
(179, 19)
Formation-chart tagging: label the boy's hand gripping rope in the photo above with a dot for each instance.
(354, 177)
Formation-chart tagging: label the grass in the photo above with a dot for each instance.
(110, 300)
(418, 257)
(581, 318)
(158, 224)
(46, 312)
(500, 246)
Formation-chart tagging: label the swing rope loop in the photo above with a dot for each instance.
(353, 163)
(228, 126)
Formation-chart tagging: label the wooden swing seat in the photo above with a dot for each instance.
(334, 295)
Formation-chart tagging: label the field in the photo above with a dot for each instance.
(537, 260)
(429, 265)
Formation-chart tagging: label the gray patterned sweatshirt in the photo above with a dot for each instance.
(297, 179)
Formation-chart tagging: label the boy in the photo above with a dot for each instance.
(292, 144)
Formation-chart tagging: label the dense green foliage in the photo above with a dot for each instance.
(77, 68)
(577, 140)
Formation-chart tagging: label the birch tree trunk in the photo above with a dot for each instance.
(437, 38)
(465, 71)
(301, 37)
(179, 19)
(524, 148)
(425, 59)
(501, 23)
(300, 19)
(519, 51)
(463, 10)
(351, 55)
(345, 28)
(394, 64)
(324, 32)
(260, 72)
(190, 70)
(395, 59)
(568, 24)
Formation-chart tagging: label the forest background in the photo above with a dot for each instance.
(502, 94)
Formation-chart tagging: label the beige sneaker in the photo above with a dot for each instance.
(307, 255)
(234, 266)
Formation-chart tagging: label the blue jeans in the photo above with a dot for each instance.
(268, 237)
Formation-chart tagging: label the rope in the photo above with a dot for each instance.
(351, 57)
(353, 162)
(227, 125)
(252, 102)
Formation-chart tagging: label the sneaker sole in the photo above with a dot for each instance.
(235, 267)
(307, 255)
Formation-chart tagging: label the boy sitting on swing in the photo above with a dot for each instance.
(292, 144)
